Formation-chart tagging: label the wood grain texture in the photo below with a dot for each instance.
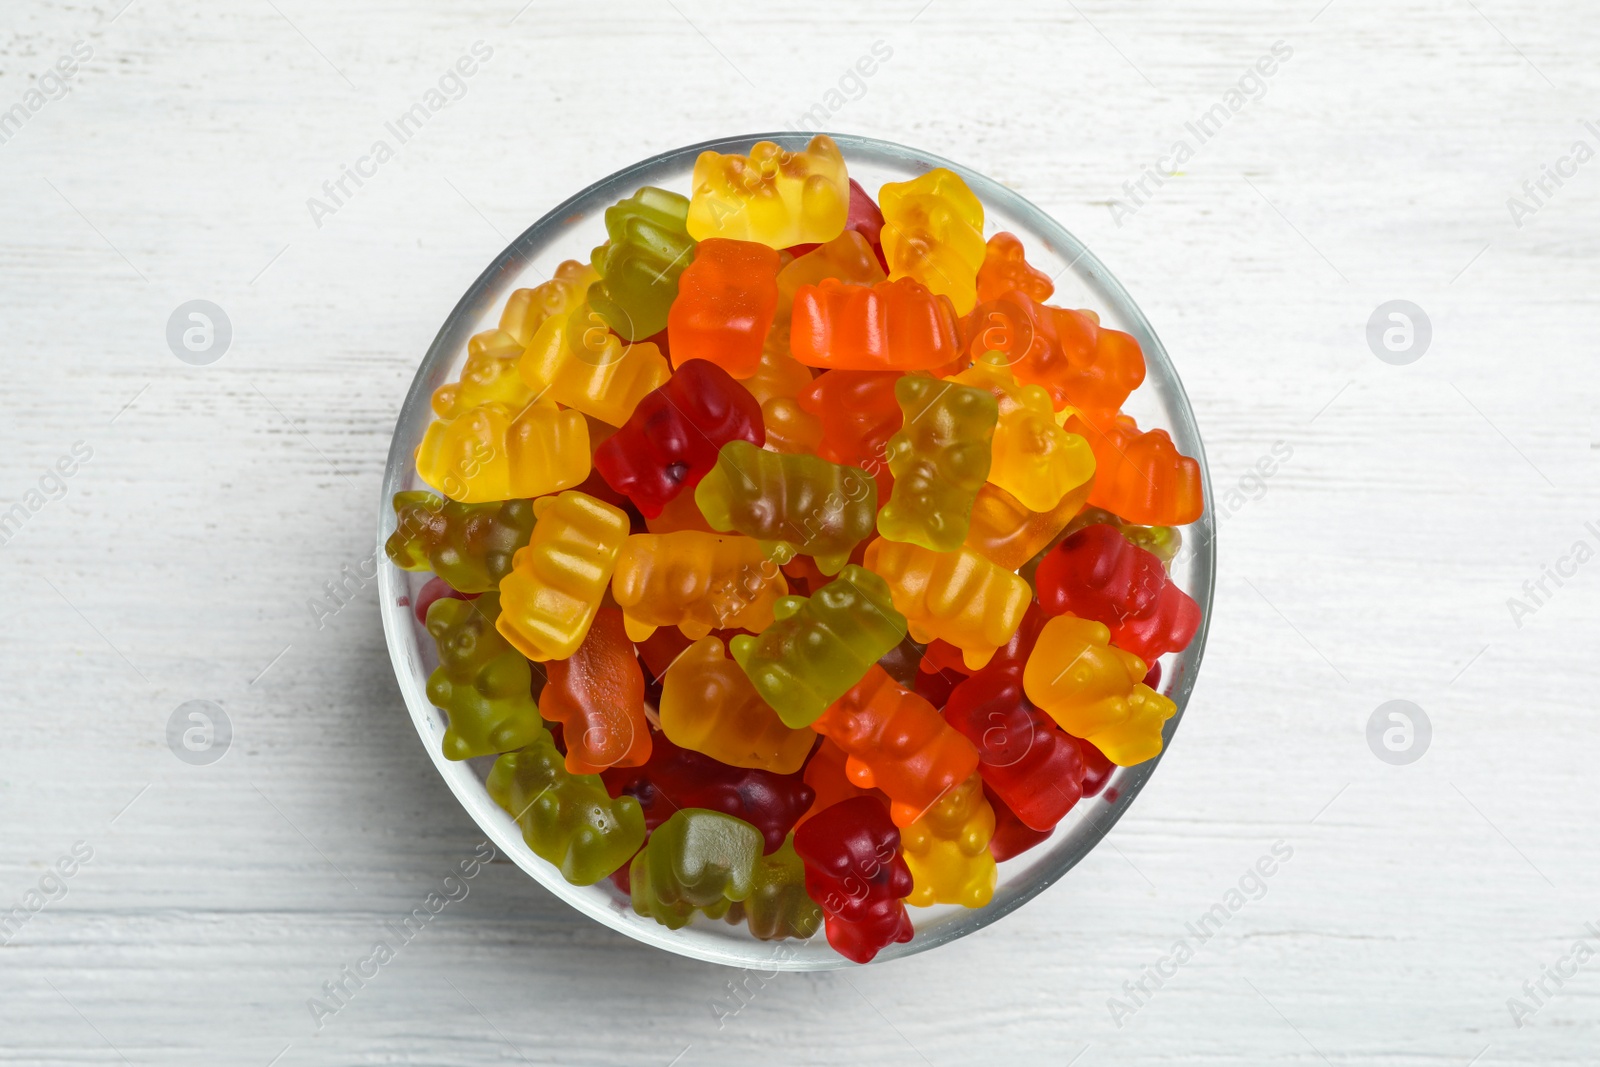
(1376, 563)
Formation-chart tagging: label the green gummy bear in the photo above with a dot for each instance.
(468, 545)
(779, 907)
(789, 502)
(698, 860)
(817, 648)
(940, 459)
(647, 248)
(484, 683)
(567, 819)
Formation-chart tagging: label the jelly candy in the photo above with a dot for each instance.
(1140, 476)
(676, 778)
(597, 695)
(495, 452)
(559, 576)
(778, 906)
(791, 503)
(709, 705)
(1094, 690)
(893, 325)
(468, 545)
(1005, 268)
(826, 774)
(947, 849)
(818, 648)
(1097, 574)
(895, 741)
(726, 300)
(855, 872)
(671, 440)
(848, 257)
(579, 363)
(958, 596)
(1022, 757)
(933, 232)
(1008, 534)
(773, 196)
(857, 413)
(1034, 459)
(482, 681)
(566, 819)
(696, 581)
(940, 459)
(647, 248)
(696, 861)
(779, 379)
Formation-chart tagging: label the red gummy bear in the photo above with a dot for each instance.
(677, 778)
(670, 441)
(855, 873)
(1098, 574)
(1022, 755)
(859, 413)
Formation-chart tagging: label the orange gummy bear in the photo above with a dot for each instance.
(726, 300)
(896, 325)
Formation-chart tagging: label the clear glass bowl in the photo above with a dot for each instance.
(569, 231)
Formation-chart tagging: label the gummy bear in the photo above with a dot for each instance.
(894, 325)
(696, 861)
(858, 413)
(671, 440)
(791, 503)
(726, 300)
(490, 374)
(496, 452)
(468, 545)
(933, 232)
(597, 695)
(959, 596)
(1022, 756)
(675, 778)
(566, 819)
(898, 743)
(825, 773)
(1140, 476)
(709, 705)
(557, 579)
(772, 196)
(647, 249)
(1008, 534)
(778, 906)
(1097, 574)
(848, 257)
(818, 648)
(1094, 690)
(1034, 459)
(1068, 353)
(947, 850)
(579, 363)
(1005, 267)
(1012, 836)
(482, 681)
(855, 872)
(696, 581)
(779, 379)
(940, 460)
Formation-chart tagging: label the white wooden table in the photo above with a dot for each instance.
(176, 563)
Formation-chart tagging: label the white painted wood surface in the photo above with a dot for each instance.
(1375, 565)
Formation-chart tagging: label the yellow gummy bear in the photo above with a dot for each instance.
(498, 452)
(557, 579)
(933, 232)
(490, 374)
(1093, 690)
(709, 704)
(772, 196)
(959, 596)
(947, 849)
(577, 361)
(1032, 457)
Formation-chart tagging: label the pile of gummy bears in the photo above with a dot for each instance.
(794, 557)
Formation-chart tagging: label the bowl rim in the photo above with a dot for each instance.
(445, 349)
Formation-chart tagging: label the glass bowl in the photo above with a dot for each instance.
(569, 231)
